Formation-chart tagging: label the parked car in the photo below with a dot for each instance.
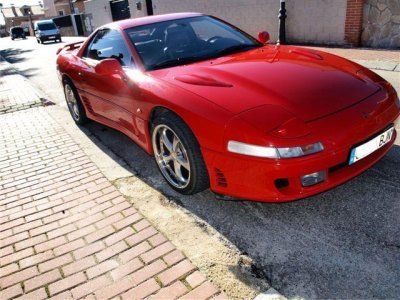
(218, 108)
(46, 30)
(17, 32)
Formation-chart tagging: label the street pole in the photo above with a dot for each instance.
(31, 32)
(282, 23)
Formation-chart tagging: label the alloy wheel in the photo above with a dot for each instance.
(171, 156)
(72, 102)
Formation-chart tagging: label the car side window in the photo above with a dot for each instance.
(109, 43)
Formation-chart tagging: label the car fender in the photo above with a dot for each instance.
(206, 119)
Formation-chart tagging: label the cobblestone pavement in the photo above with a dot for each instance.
(66, 232)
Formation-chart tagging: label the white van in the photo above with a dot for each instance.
(46, 30)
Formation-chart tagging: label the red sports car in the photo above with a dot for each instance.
(220, 109)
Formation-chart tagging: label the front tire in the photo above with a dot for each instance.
(74, 103)
(178, 155)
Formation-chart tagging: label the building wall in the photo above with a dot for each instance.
(49, 8)
(100, 11)
(257, 15)
(381, 24)
(250, 15)
(67, 31)
(10, 22)
(353, 24)
(316, 22)
(80, 6)
(64, 6)
(373, 23)
(135, 13)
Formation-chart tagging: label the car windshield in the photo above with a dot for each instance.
(17, 30)
(46, 26)
(182, 41)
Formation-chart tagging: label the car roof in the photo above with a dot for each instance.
(125, 24)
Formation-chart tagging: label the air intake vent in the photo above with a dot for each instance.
(221, 180)
(87, 105)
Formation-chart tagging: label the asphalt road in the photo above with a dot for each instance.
(344, 243)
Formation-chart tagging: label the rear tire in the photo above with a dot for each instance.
(74, 103)
(182, 165)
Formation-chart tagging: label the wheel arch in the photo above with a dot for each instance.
(158, 111)
(65, 77)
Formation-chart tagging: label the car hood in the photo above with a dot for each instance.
(308, 83)
(49, 32)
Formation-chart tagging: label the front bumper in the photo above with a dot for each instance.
(50, 37)
(270, 180)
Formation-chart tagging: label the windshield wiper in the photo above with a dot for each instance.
(235, 48)
(175, 62)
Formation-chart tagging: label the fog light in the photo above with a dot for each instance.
(314, 178)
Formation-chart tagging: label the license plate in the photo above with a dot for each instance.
(52, 37)
(371, 146)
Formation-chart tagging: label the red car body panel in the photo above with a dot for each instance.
(279, 96)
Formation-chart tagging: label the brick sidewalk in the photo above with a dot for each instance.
(67, 232)
(11, 101)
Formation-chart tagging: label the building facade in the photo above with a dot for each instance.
(53, 8)
(370, 23)
(79, 6)
(23, 16)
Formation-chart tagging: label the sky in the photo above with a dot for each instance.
(16, 3)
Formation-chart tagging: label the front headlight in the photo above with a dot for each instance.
(271, 152)
(300, 151)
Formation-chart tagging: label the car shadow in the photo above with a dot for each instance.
(343, 243)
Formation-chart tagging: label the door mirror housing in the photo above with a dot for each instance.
(263, 37)
(108, 66)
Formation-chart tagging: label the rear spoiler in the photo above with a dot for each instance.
(69, 47)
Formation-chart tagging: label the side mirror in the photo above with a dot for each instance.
(263, 37)
(109, 66)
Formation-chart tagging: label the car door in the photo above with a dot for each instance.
(112, 97)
